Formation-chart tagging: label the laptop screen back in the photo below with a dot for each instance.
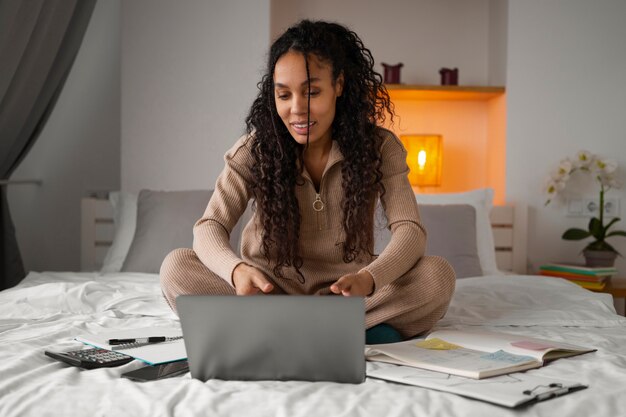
(274, 337)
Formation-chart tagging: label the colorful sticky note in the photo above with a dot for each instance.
(436, 344)
(532, 345)
(503, 356)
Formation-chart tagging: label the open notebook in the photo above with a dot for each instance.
(473, 354)
(152, 354)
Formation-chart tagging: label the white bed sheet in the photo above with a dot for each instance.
(48, 309)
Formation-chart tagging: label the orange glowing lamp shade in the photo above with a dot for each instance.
(424, 157)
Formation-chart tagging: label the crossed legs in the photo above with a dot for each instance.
(412, 304)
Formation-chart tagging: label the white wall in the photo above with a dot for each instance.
(498, 19)
(424, 35)
(189, 74)
(77, 152)
(566, 91)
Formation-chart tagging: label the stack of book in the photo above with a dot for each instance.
(586, 277)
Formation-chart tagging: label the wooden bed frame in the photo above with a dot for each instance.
(97, 229)
(508, 223)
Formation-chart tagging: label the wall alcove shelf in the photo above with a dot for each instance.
(472, 122)
(443, 92)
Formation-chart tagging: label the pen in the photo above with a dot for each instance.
(152, 339)
(551, 394)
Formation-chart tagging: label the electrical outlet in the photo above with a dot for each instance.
(575, 207)
(590, 207)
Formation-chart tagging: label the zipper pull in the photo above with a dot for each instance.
(318, 204)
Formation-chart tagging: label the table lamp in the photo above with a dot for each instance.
(424, 157)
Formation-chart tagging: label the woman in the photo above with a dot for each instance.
(315, 163)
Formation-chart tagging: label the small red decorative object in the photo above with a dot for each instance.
(392, 73)
(449, 76)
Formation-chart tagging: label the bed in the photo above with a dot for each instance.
(48, 309)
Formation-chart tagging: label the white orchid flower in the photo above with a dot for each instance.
(606, 166)
(584, 159)
(604, 170)
(612, 182)
(552, 186)
(559, 175)
(605, 180)
(565, 167)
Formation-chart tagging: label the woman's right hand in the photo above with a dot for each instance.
(249, 280)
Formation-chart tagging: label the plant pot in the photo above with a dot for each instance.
(599, 258)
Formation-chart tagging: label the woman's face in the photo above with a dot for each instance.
(291, 91)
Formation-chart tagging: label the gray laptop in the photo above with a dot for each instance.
(274, 337)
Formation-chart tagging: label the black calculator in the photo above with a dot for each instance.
(91, 358)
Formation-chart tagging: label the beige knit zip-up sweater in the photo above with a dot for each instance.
(321, 232)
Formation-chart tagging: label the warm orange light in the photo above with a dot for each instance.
(424, 157)
(421, 159)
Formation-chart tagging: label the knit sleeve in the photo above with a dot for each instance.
(211, 234)
(408, 236)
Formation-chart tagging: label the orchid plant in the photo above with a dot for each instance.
(604, 171)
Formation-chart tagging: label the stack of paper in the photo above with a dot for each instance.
(152, 354)
(509, 390)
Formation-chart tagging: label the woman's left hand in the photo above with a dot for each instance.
(359, 284)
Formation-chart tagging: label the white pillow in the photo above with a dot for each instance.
(482, 201)
(125, 220)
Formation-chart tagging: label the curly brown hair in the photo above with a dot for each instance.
(279, 158)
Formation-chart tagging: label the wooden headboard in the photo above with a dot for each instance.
(508, 223)
(96, 232)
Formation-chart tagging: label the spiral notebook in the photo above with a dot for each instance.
(152, 354)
